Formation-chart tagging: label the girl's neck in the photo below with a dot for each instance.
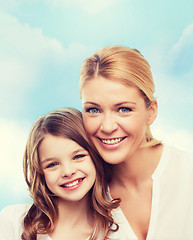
(74, 211)
(75, 220)
(138, 168)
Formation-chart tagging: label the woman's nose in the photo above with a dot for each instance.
(108, 124)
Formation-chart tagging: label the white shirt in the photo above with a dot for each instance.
(11, 219)
(172, 199)
(172, 204)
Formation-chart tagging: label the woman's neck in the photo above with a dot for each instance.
(138, 168)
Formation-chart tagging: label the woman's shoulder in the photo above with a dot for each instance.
(178, 154)
(180, 160)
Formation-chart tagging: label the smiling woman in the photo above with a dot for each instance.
(66, 180)
(154, 181)
(127, 111)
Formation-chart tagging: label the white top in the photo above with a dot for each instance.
(172, 199)
(11, 219)
(172, 204)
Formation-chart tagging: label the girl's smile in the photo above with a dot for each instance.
(71, 185)
(68, 168)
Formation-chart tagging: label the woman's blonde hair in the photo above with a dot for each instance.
(126, 65)
(42, 215)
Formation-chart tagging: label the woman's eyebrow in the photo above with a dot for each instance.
(121, 103)
(92, 103)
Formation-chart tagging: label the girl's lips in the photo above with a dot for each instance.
(71, 185)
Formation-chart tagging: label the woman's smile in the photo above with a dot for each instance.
(116, 125)
(112, 141)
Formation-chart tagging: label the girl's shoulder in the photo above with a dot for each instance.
(16, 210)
(11, 218)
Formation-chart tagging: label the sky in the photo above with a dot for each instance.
(43, 44)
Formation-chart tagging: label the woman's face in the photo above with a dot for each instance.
(115, 118)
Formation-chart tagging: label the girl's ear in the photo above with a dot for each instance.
(152, 112)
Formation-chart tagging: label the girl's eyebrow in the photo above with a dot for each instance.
(79, 150)
(47, 160)
(54, 159)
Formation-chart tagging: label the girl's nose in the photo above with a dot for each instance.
(68, 169)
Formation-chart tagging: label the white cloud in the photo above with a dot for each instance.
(179, 138)
(13, 4)
(24, 50)
(25, 43)
(185, 40)
(180, 57)
(89, 6)
(13, 138)
(174, 94)
(24, 54)
(173, 76)
(9, 4)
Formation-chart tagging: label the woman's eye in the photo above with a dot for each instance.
(79, 156)
(125, 109)
(92, 110)
(50, 165)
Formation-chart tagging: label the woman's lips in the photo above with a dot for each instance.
(112, 141)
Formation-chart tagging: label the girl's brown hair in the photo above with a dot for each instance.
(42, 215)
(123, 64)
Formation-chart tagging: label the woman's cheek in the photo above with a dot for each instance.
(91, 125)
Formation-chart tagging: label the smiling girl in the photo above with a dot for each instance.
(66, 180)
(153, 180)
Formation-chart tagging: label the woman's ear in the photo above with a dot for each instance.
(152, 112)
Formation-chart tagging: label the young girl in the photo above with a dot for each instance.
(65, 177)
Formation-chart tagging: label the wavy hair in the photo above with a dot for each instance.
(42, 215)
(126, 65)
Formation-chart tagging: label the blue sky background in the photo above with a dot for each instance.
(42, 46)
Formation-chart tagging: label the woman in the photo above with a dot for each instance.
(65, 178)
(154, 181)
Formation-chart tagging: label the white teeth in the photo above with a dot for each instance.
(71, 184)
(112, 141)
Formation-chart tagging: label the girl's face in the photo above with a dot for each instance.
(68, 168)
(115, 118)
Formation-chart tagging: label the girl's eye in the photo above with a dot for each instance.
(125, 109)
(79, 156)
(50, 165)
(92, 110)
